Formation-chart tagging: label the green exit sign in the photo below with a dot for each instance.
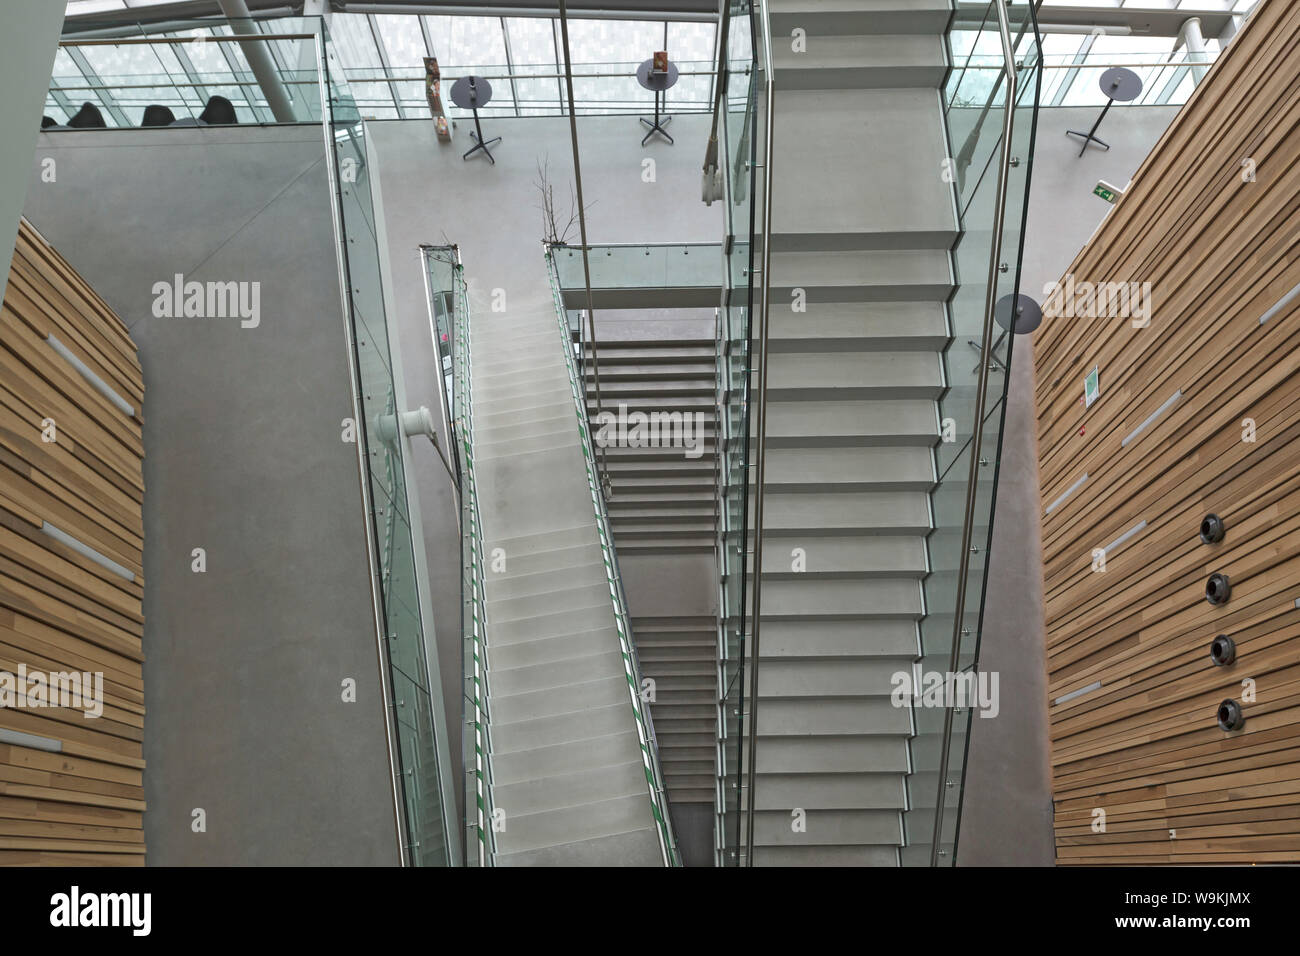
(1107, 192)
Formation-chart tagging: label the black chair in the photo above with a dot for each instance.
(88, 117)
(48, 121)
(219, 112)
(157, 116)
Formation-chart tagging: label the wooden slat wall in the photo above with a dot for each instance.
(1220, 252)
(60, 611)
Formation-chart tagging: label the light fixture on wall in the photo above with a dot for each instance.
(1223, 650)
(1218, 589)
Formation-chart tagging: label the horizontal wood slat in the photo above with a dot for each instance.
(1211, 227)
(75, 795)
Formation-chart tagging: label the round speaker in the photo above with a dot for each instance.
(1218, 589)
(1212, 529)
(1230, 716)
(1223, 650)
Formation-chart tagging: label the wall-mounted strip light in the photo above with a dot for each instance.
(1125, 536)
(98, 383)
(1095, 685)
(20, 739)
(87, 551)
(1068, 491)
(1172, 401)
(1286, 300)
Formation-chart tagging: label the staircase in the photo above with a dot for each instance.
(862, 227)
(569, 774)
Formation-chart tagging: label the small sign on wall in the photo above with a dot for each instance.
(1091, 387)
(1112, 194)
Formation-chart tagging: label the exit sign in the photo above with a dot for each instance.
(1108, 192)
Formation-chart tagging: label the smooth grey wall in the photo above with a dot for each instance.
(244, 458)
(1007, 807)
(29, 33)
(492, 212)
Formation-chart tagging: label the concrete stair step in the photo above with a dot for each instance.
(818, 424)
(862, 62)
(557, 623)
(573, 824)
(548, 649)
(523, 735)
(839, 17)
(837, 677)
(853, 557)
(830, 791)
(549, 411)
(869, 194)
(812, 638)
(884, 598)
(819, 471)
(552, 579)
(528, 445)
(555, 675)
(556, 791)
(833, 716)
(814, 856)
(560, 424)
(828, 828)
(860, 327)
(563, 561)
(832, 376)
(831, 754)
(846, 513)
(580, 593)
(545, 541)
(634, 848)
(558, 701)
(571, 757)
(891, 274)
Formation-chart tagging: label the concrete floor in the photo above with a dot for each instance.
(1007, 807)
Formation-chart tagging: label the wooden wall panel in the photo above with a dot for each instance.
(71, 786)
(1212, 222)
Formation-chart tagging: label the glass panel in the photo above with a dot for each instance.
(413, 704)
(736, 162)
(977, 105)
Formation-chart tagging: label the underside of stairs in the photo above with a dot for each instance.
(863, 225)
(568, 777)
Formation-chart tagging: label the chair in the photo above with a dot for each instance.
(156, 115)
(88, 117)
(219, 112)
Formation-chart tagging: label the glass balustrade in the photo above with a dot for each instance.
(976, 105)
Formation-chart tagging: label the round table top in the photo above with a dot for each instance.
(471, 92)
(1120, 83)
(656, 81)
(1028, 314)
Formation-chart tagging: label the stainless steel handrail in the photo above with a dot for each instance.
(761, 427)
(981, 398)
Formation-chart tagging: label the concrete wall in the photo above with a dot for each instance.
(29, 32)
(1007, 808)
(243, 458)
(492, 212)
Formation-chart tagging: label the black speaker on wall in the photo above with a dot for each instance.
(1218, 589)
(1212, 529)
(1223, 650)
(1230, 716)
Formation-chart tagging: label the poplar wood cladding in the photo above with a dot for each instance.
(60, 611)
(1212, 221)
